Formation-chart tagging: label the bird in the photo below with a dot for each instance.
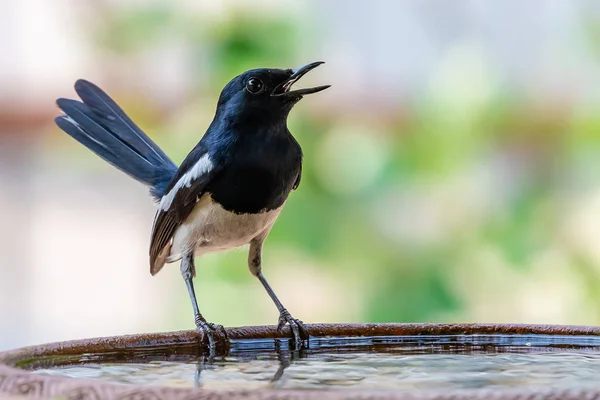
(228, 191)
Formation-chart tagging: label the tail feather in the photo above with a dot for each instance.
(116, 121)
(101, 125)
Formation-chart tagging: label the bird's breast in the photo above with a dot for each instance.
(256, 186)
(210, 227)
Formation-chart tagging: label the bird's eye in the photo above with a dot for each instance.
(254, 85)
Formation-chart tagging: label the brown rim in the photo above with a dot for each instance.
(17, 382)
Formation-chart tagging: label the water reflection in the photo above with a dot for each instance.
(284, 357)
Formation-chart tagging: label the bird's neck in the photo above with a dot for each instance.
(228, 134)
(250, 119)
(252, 124)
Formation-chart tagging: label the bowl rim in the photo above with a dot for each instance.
(19, 382)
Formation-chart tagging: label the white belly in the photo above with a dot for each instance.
(210, 228)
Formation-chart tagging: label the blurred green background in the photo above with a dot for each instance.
(450, 173)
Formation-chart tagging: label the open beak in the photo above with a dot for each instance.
(283, 89)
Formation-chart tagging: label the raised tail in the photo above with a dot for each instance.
(101, 125)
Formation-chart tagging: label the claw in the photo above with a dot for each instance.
(209, 330)
(303, 331)
(220, 329)
(281, 323)
(205, 328)
(296, 326)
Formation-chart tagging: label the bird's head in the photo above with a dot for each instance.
(264, 93)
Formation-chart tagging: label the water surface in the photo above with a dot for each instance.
(399, 363)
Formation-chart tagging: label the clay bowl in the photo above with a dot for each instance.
(429, 349)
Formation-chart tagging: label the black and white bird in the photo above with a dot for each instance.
(230, 188)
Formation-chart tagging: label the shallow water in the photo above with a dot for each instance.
(405, 363)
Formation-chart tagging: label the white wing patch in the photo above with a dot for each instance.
(202, 166)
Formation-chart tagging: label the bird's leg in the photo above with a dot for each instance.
(298, 329)
(187, 271)
(255, 264)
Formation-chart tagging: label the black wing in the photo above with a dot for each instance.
(184, 191)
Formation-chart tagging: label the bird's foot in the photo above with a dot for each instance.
(220, 329)
(211, 330)
(206, 330)
(297, 327)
